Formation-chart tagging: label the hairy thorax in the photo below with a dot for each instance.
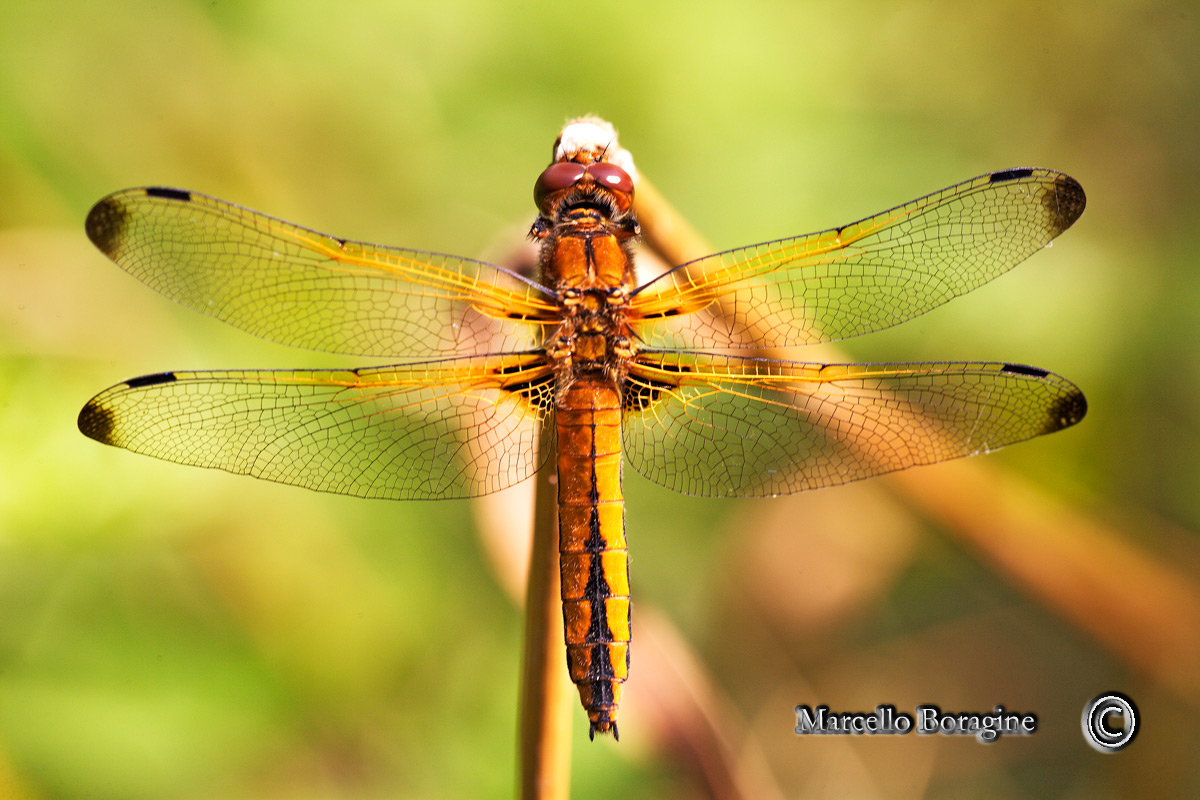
(587, 261)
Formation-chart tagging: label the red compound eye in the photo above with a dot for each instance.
(610, 176)
(555, 178)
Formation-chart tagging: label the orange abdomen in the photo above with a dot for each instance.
(591, 536)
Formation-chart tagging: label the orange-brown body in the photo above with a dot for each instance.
(584, 229)
(593, 558)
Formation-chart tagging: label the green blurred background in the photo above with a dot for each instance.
(175, 633)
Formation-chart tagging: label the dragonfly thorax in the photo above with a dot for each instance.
(593, 336)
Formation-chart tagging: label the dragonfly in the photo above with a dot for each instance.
(495, 373)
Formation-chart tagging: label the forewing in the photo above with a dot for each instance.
(296, 286)
(723, 426)
(442, 429)
(861, 277)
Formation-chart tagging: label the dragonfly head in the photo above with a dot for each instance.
(590, 175)
(597, 185)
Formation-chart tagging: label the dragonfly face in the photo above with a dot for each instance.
(496, 372)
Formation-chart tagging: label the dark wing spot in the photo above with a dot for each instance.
(511, 369)
(667, 366)
(1064, 204)
(537, 389)
(638, 394)
(1021, 369)
(96, 422)
(151, 380)
(1066, 411)
(169, 194)
(106, 224)
(539, 392)
(638, 397)
(641, 394)
(1009, 175)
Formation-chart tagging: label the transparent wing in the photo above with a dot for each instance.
(296, 286)
(724, 426)
(861, 277)
(453, 428)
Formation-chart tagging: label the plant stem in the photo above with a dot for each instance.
(546, 698)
